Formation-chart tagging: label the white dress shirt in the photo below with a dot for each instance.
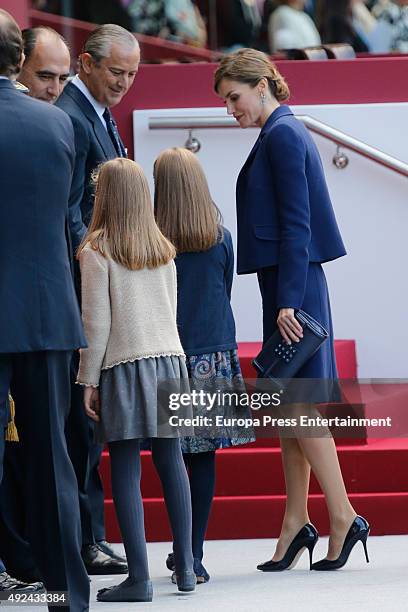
(98, 107)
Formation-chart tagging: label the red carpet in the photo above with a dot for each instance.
(249, 501)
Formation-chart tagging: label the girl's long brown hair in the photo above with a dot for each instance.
(184, 210)
(123, 224)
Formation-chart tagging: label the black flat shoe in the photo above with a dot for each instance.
(127, 591)
(170, 563)
(13, 585)
(29, 576)
(186, 581)
(201, 573)
(306, 538)
(358, 531)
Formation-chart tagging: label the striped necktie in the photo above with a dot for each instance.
(114, 134)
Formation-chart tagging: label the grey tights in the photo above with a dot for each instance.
(125, 474)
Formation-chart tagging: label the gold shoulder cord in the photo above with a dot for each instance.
(11, 431)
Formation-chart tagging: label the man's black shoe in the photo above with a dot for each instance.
(30, 575)
(7, 583)
(108, 550)
(98, 562)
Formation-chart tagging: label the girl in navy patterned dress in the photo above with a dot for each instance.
(188, 217)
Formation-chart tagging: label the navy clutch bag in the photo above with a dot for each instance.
(279, 361)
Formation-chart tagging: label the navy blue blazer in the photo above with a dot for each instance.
(204, 315)
(39, 309)
(284, 213)
(93, 146)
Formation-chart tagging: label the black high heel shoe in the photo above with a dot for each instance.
(306, 538)
(358, 531)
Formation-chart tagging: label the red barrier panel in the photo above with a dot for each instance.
(152, 49)
(357, 81)
(18, 9)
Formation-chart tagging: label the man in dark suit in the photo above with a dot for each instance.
(40, 323)
(108, 66)
(44, 73)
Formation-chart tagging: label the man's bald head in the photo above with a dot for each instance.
(47, 63)
(11, 45)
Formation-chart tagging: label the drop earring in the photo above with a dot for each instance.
(263, 99)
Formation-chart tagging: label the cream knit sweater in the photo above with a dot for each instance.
(127, 314)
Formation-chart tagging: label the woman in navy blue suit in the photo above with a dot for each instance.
(286, 230)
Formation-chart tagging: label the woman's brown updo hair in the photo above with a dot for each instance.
(250, 66)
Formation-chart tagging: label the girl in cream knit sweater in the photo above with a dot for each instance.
(129, 303)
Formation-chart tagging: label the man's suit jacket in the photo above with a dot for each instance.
(38, 305)
(93, 146)
(284, 213)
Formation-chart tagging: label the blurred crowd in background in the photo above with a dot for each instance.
(376, 26)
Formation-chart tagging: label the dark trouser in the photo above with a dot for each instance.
(6, 501)
(15, 548)
(126, 472)
(85, 456)
(4, 417)
(3, 420)
(40, 385)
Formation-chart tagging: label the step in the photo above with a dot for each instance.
(243, 517)
(378, 468)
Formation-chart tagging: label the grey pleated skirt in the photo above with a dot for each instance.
(129, 398)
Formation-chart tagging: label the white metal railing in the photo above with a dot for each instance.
(318, 127)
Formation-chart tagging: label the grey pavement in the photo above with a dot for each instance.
(236, 585)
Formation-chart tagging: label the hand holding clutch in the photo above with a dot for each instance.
(289, 327)
(279, 360)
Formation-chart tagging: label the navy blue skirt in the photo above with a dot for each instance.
(316, 303)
